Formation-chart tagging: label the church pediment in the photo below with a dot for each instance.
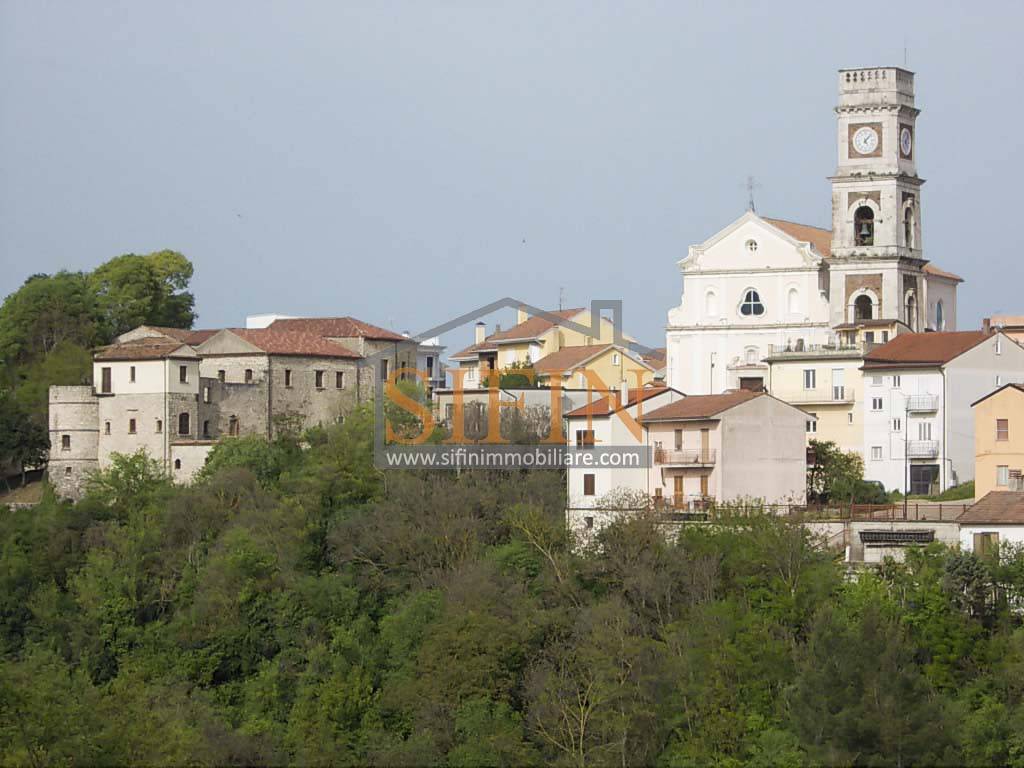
(750, 244)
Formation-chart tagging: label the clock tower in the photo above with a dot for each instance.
(877, 258)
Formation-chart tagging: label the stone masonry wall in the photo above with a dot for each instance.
(73, 413)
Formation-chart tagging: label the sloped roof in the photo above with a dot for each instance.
(568, 358)
(275, 342)
(1006, 320)
(336, 327)
(533, 327)
(820, 238)
(150, 348)
(605, 405)
(185, 335)
(470, 352)
(997, 390)
(701, 406)
(924, 348)
(931, 269)
(656, 357)
(1004, 507)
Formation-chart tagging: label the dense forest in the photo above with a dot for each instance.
(296, 605)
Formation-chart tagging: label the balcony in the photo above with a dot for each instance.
(922, 403)
(799, 350)
(684, 458)
(834, 396)
(923, 449)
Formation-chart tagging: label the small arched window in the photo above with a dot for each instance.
(183, 425)
(864, 226)
(862, 307)
(177, 463)
(751, 305)
(711, 304)
(940, 316)
(908, 227)
(912, 311)
(793, 301)
(751, 356)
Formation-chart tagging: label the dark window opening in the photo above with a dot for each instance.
(319, 379)
(105, 381)
(65, 442)
(864, 225)
(131, 426)
(183, 374)
(339, 379)
(287, 377)
(233, 426)
(221, 374)
(206, 428)
(863, 308)
(751, 305)
(177, 463)
(131, 374)
(248, 375)
(908, 228)
(588, 485)
(183, 423)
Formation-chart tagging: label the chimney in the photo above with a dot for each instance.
(481, 332)
(521, 316)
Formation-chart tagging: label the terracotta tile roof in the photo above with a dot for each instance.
(185, 335)
(470, 352)
(533, 327)
(657, 357)
(931, 269)
(335, 327)
(568, 358)
(302, 344)
(996, 507)
(605, 405)
(924, 348)
(700, 406)
(820, 238)
(1006, 320)
(151, 348)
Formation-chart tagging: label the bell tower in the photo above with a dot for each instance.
(876, 199)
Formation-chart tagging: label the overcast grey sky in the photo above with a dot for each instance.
(405, 162)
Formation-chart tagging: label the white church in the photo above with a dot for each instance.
(764, 283)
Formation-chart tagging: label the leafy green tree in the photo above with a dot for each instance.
(134, 289)
(833, 470)
(46, 311)
(24, 442)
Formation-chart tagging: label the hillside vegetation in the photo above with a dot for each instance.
(298, 606)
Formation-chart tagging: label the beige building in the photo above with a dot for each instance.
(604, 366)
(999, 440)
(826, 381)
(173, 393)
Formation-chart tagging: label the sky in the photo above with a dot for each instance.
(406, 162)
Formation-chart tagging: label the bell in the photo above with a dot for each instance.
(865, 230)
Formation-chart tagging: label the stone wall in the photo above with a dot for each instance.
(73, 414)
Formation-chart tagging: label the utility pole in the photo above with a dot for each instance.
(906, 454)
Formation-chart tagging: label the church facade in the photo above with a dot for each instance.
(762, 285)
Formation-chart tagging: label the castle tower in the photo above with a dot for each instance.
(877, 255)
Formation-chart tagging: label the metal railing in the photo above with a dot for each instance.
(698, 457)
(837, 394)
(823, 350)
(922, 403)
(923, 449)
(838, 512)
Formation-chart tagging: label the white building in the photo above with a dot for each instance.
(918, 390)
(997, 519)
(766, 283)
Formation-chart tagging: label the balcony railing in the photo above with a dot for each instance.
(838, 395)
(923, 449)
(815, 350)
(684, 457)
(922, 403)
(683, 501)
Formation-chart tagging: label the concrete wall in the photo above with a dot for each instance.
(1008, 534)
(763, 453)
(73, 412)
(187, 458)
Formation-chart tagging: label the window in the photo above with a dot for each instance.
(206, 428)
(869, 337)
(849, 418)
(287, 377)
(588, 485)
(131, 426)
(940, 316)
(1002, 429)
(183, 374)
(584, 438)
(319, 379)
(999, 345)
(752, 246)
(106, 428)
(897, 425)
(876, 381)
(810, 378)
(183, 425)
(67, 471)
(751, 305)
(159, 426)
(248, 375)
(206, 394)
(751, 356)
(984, 543)
(999, 380)
(615, 358)
(131, 374)
(383, 370)
(812, 423)
(449, 411)
(177, 463)
(221, 374)
(233, 427)
(838, 384)
(679, 439)
(876, 403)
(339, 379)
(885, 336)
(588, 521)
(924, 430)
(863, 307)
(896, 382)
(105, 381)
(876, 453)
(864, 226)
(65, 442)
(908, 228)
(1002, 475)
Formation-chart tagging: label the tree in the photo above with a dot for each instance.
(515, 375)
(24, 442)
(832, 469)
(46, 311)
(134, 289)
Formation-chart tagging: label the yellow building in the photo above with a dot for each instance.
(825, 380)
(999, 440)
(529, 340)
(609, 364)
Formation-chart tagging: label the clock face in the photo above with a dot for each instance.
(906, 142)
(865, 140)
